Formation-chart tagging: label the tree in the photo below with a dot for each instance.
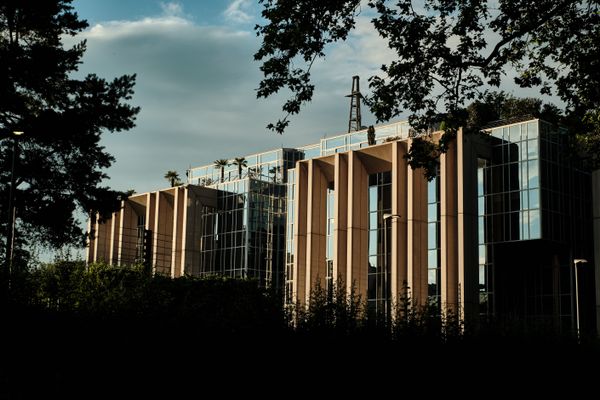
(173, 178)
(60, 164)
(222, 164)
(447, 53)
(241, 162)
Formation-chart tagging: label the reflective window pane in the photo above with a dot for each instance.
(532, 130)
(432, 260)
(532, 149)
(534, 180)
(432, 235)
(534, 198)
(535, 228)
(432, 212)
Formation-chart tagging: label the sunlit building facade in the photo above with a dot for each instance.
(494, 233)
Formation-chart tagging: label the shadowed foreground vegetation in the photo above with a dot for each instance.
(70, 328)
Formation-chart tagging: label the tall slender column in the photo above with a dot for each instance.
(300, 227)
(417, 236)
(340, 237)
(358, 226)
(115, 229)
(163, 233)
(399, 260)
(127, 234)
(449, 229)
(316, 235)
(178, 218)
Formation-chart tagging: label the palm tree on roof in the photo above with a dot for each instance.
(221, 164)
(173, 178)
(241, 162)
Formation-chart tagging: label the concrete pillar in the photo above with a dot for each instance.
(399, 277)
(163, 233)
(300, 230)
(115, 225)
(178, 228)
(127, 234)
(316, 233)
(102, 242)
(449, 229)
(416, 251)
(150, 210)
(358, 226)
(340, 237)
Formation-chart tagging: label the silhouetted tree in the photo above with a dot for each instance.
(60, 164)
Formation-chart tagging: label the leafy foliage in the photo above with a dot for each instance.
(447, 53)
(298, 32)
(60, 161)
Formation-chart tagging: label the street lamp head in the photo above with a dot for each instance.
(18, 133)
(387, 216)
(579, 261)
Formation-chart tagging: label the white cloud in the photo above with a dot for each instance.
(172, 9)
(196, 88)
(239, 11)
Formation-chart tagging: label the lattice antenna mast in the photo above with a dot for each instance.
(354, 122)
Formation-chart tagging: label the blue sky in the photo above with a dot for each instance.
(196, 82)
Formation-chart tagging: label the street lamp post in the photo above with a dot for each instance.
(10, 228)
(576, 262)
(386, 271)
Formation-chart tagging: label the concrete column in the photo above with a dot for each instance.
(127, 234)
(102, 242)
(416, 212)
(300, 229)
(178, 229)
(340, 236)
(192, 232)
(399, 260)
(596, 242)
(150, 210)
(316, 234)
(163, 233)
(358, 226)
(115, 224)
(449, 229)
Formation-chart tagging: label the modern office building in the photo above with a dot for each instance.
(495, 233)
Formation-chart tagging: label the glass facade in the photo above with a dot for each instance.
(378, 276)
(330, 227)
(485, 266)
(533, 217)
(512, 199)
(243, 236)
(433, 241)
(289, 239)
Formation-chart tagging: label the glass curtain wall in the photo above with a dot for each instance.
(289, 239)
(378, 276)
(433, 241)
